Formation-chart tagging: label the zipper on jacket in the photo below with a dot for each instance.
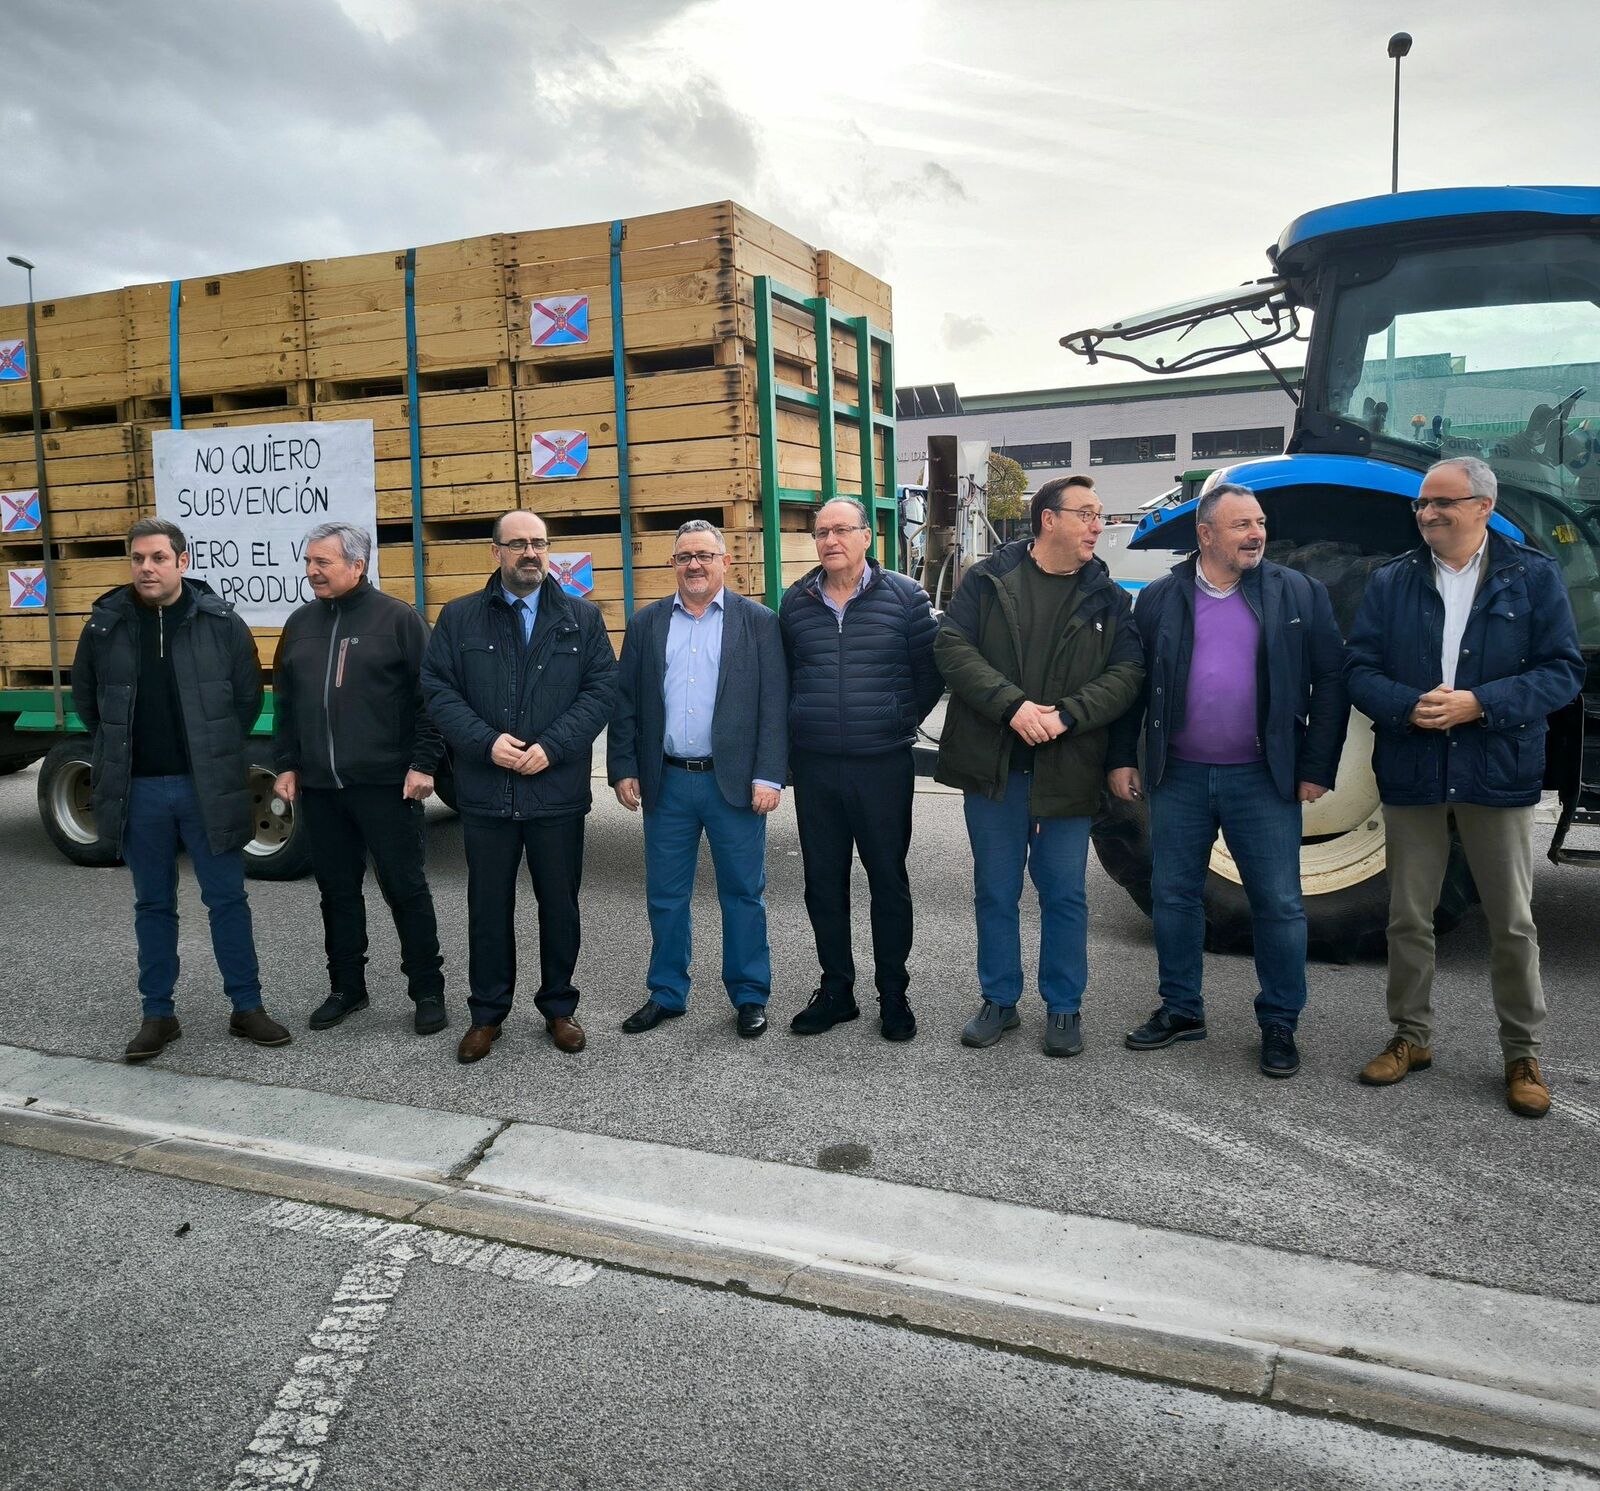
(327, 701)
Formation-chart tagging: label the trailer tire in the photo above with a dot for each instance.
(279, 850)
(66, 808)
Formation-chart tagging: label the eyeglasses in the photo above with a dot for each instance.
(698, 556)
(838, 530)
(1419, 503)
(1082, 514)
(522, 545)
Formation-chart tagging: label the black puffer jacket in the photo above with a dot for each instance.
(861, 686)
(219, 692)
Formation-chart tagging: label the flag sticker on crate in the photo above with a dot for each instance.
(574, 572)
(558, 453)
(13, 362)
(19, 512)
(559, 321)
(27, 589)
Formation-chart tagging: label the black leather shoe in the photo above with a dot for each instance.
(752, 1020)
(430, 1017)
(823, 1013)
(895, 1020)
(154, 1034)
(647, 1017)
(335, 1007)
(1162, 1029)
(1279, 1056)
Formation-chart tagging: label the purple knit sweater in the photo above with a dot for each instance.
(1219, 713)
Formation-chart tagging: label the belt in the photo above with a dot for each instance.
(689, 763)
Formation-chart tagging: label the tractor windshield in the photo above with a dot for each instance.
(1490, 349)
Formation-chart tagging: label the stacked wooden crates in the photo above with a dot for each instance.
(327, 340)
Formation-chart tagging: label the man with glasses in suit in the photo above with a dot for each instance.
(699, 739)
(520, 679)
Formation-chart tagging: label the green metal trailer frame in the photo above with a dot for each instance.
(867, 417)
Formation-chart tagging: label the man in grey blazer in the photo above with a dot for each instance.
(700, 738)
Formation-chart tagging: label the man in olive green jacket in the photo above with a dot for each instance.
(1041, 655)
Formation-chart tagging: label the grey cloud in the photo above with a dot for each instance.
(958, 332)
(176, 139)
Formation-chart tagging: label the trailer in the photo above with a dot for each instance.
(1462, 321)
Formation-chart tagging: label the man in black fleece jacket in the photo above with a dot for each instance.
(356, 750)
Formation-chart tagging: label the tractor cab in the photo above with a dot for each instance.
(1440, 323)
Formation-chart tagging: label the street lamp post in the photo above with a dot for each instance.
(1399, 46)
(44, 499)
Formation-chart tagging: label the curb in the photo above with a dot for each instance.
(1499, 1370)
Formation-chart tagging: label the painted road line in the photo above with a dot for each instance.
(288, 1445)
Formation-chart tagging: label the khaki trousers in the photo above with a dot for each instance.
(1499, 848)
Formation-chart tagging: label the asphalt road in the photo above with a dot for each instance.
(156, 1329)
(1433, 1175)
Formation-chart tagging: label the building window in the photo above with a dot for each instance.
(1042, 456)
(1133, 448)
(1209, 444)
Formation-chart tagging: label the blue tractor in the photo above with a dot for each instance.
(1463, 321)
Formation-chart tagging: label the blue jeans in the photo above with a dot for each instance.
(163, 812)
(689, 801)
(1005, 838)
(1263, 832)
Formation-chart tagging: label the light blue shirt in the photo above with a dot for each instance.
(694, 660)
(833, 605)
(529, 611)
(689, 690)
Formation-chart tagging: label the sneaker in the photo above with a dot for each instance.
(1526, 1091)
(258, 1026)
(823, 1013)
(1162, 1029)
(1394, 1061)
(335, 1007)
(1279, 1056)
(895, 1019)
(1063, 1034)
(429, 1017)
(152, 1037)
(990, 1023)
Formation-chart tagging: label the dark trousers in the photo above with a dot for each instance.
(856, 805)
(553, 850)
(343, 826)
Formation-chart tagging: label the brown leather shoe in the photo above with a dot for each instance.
(1526, 1091)
(476, 1042)
(566, 1033)
(152, 1037)
(1394, 1061)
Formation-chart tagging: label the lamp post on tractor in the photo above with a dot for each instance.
(1399, 46)
(44, 499)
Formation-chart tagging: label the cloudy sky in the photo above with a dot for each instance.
(1015, 169)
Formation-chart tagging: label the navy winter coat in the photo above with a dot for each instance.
(481, 682)
(1302, 711)
(861, 686)
(1519, 655)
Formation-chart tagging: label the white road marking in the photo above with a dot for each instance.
(286, 1449)
(1586, 1114)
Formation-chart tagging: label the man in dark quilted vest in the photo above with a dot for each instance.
(859, 641)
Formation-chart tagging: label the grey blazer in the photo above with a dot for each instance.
(749, 729)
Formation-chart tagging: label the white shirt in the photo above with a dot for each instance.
(1457, 589)
(1214, 591)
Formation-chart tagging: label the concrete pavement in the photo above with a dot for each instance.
(1460, 1360)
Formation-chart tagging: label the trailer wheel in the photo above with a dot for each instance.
(66, 806)
(279, 850)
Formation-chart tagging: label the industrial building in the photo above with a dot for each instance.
(1136, 438)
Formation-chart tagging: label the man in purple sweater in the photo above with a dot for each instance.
(1244, 713)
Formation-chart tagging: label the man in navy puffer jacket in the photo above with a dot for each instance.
(859, 641)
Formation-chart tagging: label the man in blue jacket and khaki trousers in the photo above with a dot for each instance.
(1460, 651)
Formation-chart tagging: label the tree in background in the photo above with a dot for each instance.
(1008, 485)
